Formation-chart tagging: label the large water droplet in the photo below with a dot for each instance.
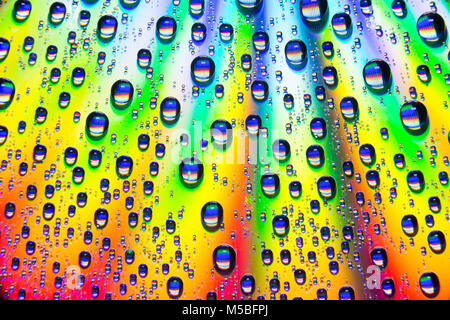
(429, 284)
(196, 8)
(202, 70)
(296, 54)
(97, 124)
(326, 186)
(249, 6)
(414, 117)
(342, 25)
(57, 13)
(212, 216)
(379, 258)
(436, 241)
(124, 166)
(280, 225)
(122, 94)
(416, 181)
(174, 287)
(106, 28)
(314, 12)
(349, 108)
(22, 10)
(4, 49)
(377, 76)
(432, 29)
(170, 111)
(166, 29)
(7, 92)
(247, 284)
(224, 259)
(260, 90)
(191, 172)
(221, 134)
(281, 150)
(270, 185)
(129, 4)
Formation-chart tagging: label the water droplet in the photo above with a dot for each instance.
(196, 8)
(342, 25)
(436, 241)
(326, 187)
(124, 166)
(270, 185)
(247, 284)
(295, 189)
(3, 134)
(260, 41)
(202, 70)
(253, 124)
(388, 287)
(170, 111)
(7, 92)
(4, 49)
(198, 32)
(432, 29)
(249, 6)
(84, 18)
(95, 158)
(221, 134)
(346, 293)
(78, 76)
(424, 74)
(39, 153)
(224, 259)
(174, 287)
(166, 29)
(122, 94)
(212, 216)
(296, 54)
(367, 154)
(129, 4)
(410, 225)
(318, 128)
(101, 218)
(246, 62)
(280, 224)
(97, 124)
(377, 76)
(84, 259)
(260, 90)
(429, 284)
(143, 141)
(399, 8)
(349, 108)
(300, 276)
(314, 12)
(226, 32)
(281, 150)
(414, 117)
(144, 58)
(107, 28)
(330, 76)
(379, 258)
(22, 10)
(70, 156)
(315, 155)
(191, 172)
(57, 13)
(416, 181)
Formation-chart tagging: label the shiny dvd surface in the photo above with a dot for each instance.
(224, 149)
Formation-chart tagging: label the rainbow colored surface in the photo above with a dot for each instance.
(224, 149)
